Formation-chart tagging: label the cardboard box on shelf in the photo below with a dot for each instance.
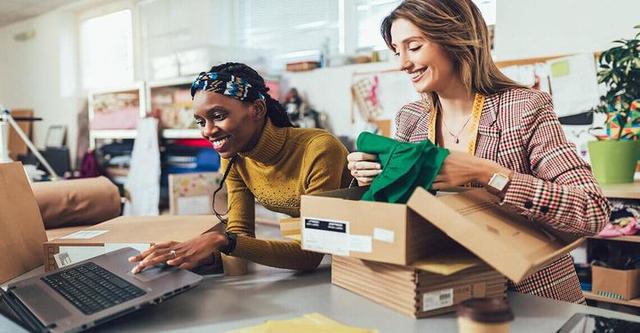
(412, 291)
(337, 222)
(616, 283)
(139, 232)
(302, 66)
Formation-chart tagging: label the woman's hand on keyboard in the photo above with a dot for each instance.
(187, 255)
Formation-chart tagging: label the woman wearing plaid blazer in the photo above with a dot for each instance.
(501, 136)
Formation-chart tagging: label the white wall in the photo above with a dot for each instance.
(329, 90)
(526, 29)
(40, 73)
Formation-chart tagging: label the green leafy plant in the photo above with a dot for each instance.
(620, 72)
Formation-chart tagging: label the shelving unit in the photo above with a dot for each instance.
(170, 133)
(622, 191)
(633, 239)
(118, 107)
(591, 296)
(627, 191)
(170, 102)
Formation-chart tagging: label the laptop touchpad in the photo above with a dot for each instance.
(154, 272)
(45, 307)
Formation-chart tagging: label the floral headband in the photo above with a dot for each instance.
(226, 84)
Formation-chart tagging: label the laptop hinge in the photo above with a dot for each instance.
(28, 319)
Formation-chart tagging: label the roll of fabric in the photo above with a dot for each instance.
(84, 201)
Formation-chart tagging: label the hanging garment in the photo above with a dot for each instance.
(405, 166)
(143, 181)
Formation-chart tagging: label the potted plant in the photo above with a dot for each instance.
(614, 157)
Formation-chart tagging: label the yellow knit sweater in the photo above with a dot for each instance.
(285, 163)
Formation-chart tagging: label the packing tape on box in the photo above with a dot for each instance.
(84, 201)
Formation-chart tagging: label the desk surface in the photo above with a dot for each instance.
(225, 303)
(622, 191)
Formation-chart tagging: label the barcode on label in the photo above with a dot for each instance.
(437, 299)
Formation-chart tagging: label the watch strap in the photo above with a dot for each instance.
(231, 243)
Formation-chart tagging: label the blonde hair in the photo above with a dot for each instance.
(458, 27)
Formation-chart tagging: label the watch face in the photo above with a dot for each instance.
(499, 181)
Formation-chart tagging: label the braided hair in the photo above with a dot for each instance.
(275, 111)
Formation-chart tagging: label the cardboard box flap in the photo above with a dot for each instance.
(21, 228)
(146, 229)
(447, 263)
(508, 242)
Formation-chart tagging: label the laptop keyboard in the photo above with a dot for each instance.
(92, 288)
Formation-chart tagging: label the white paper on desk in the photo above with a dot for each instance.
(84, 234)
(143, 181)
(574, 84)
(196, 205)
(79, 253)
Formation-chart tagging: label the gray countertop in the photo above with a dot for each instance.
(224, 303)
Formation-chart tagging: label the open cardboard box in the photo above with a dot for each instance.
(337, 222)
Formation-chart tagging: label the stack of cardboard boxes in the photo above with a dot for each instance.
(415, 292)
(424, 257)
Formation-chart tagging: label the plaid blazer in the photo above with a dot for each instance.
(551, 183)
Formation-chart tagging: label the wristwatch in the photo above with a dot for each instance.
(231, 243)
(499, 182)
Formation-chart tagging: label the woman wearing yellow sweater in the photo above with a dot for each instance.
(263, 158)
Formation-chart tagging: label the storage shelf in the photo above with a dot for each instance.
(633, 239)
(131, 134)
(622, 191)
(181, 134)
(113, 134)
(591, 296)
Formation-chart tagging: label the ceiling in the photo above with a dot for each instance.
(12, 11)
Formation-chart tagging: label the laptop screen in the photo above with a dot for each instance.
(588, 323)
(9, 321)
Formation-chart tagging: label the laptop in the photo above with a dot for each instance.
(89, 293)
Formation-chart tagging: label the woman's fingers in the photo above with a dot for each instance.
(177, 261)
(160, 256)
(365, 177)
(364, 181)
(365, 173)
(155, 248)
(364, 165)
(360, 156)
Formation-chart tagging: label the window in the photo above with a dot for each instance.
(488, 10)
(288, 28)
(370, 13)
(106, 50)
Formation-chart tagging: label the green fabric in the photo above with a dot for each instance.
(405, 166)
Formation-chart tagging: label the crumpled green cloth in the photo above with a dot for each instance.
(405, 166)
